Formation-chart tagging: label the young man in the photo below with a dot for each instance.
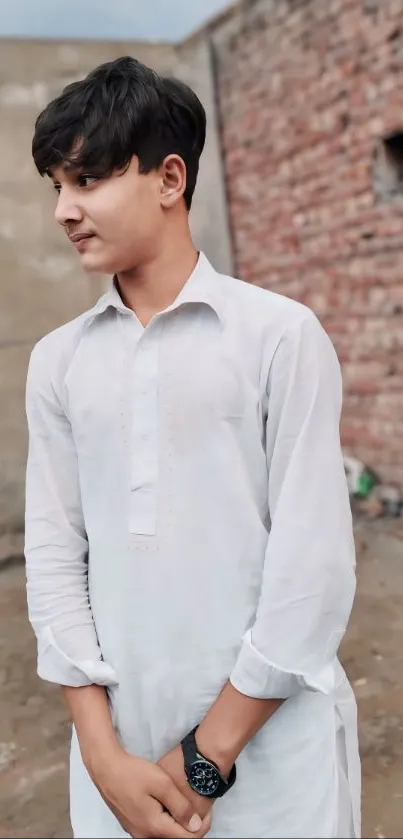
(190, 557)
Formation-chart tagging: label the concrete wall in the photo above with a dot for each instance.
(209, 217)
(41, 283)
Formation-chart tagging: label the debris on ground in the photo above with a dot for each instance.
(369, 496)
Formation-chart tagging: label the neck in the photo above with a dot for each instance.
(153, 286)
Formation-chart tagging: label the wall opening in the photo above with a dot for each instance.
(388, 167)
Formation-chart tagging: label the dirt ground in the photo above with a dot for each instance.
(34, 728)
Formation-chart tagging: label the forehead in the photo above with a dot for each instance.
(64, 170)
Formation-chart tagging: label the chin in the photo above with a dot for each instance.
(93, 265)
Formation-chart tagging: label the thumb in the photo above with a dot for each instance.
(195, 823)
(206, 823)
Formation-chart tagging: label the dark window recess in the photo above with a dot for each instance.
(370, 7)
(395, 35)
(344, 121)
(387, 169)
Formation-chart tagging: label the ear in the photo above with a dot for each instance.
(173, 180)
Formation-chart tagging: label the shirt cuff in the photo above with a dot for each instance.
(54, 665)
(255, 676)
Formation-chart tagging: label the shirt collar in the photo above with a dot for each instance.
(203, 286)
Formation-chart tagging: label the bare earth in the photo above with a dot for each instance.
(34, 729)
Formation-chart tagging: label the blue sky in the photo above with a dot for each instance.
(157, 20)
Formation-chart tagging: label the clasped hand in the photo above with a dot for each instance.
(152, 801)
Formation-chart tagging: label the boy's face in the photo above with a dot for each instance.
(114, 222)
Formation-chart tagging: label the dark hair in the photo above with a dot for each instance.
(121, 109)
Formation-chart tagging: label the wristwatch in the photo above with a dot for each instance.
(203, 775)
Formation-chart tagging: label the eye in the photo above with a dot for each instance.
(57, 187)
(87, 180)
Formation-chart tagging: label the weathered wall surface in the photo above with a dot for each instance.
(307, 89)
(41, 282)
(307, 92)
(209, 216)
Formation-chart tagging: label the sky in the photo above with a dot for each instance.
(155, 20)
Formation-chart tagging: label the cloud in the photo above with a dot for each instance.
(158, 20)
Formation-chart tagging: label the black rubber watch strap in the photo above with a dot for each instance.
(189, 747)
(231, 779)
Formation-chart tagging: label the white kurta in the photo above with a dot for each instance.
(188, 520)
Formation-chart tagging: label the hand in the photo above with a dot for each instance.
(173, 764)
(145, 799)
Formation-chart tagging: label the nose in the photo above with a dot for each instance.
(67, 208)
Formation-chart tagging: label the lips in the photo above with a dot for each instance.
(78, 237)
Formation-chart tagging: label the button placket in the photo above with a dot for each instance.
(143, 436)
(169, 365)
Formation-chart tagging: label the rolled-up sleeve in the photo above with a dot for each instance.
(56, 547)
(308, 583)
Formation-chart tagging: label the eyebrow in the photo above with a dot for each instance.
(69, 168)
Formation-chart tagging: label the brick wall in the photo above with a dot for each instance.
(306, 89)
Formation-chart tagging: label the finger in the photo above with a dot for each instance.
(180, 808)
(167, 827)
(206, 824)
(125, 824)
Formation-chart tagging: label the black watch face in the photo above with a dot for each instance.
(204, 778)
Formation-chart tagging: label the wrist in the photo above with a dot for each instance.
(99, 757)
(222, 753)
(232, 721)
(91, 715)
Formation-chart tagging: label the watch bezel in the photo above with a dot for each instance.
(211, 765)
